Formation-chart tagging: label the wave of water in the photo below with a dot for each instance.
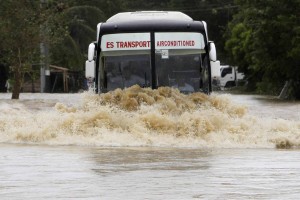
(145, 117)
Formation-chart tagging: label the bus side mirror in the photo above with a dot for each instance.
(91, 52)
(212, 51)
(90, 63)
(90, 70)
(215, 70)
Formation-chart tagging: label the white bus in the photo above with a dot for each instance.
(152, 49)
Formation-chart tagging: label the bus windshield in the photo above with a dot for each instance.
(179, 60)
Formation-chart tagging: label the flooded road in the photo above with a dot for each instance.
(47, 152)
(269, 106)
(43, 172)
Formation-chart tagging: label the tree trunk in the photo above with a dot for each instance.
(18, 78)
(17, 84)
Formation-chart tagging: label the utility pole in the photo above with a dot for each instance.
(45, 71)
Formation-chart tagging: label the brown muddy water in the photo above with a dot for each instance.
(145, 144)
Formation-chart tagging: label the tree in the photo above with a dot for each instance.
(264, 41)
(19, 37)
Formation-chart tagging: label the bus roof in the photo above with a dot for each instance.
(149, 15)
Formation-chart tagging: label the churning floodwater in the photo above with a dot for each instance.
(149, 144)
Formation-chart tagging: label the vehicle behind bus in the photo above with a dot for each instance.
(152, 49)
(230, 76)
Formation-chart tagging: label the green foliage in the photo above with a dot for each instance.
(19, 31)
(239, 46)
(263, 40)
(132, 6)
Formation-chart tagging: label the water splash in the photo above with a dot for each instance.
(145, 117)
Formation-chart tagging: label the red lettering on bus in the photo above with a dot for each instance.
(174, 43)
(132, 44)
(109, 45)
